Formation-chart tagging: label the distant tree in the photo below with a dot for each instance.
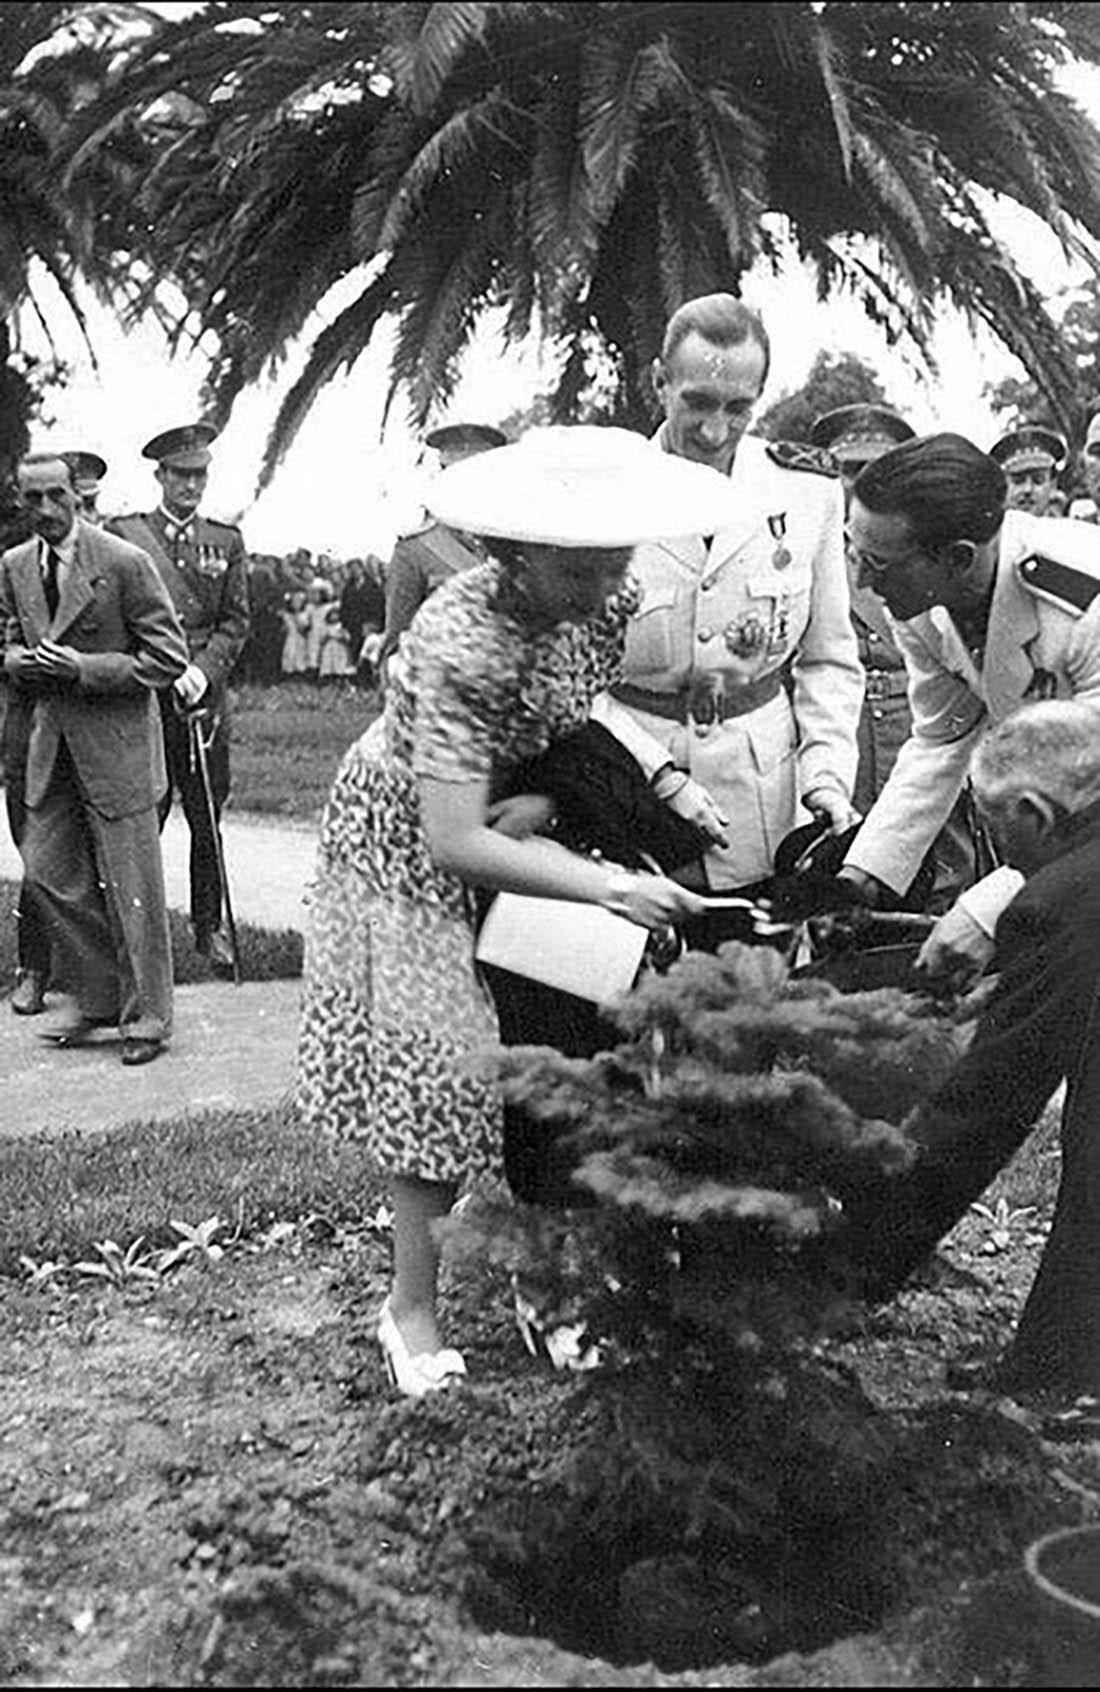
(834, 379)
(585, 168)
(1021, 399)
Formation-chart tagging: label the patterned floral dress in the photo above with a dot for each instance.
(398, 1033)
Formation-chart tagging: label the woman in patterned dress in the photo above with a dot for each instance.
(398, 1033)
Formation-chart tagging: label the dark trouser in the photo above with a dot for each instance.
(538, 1160)
(100, 883)
(185, 778)
(32, 941)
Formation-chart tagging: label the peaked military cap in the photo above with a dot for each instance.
(186, 448)
(1030, 447)
(796, 455)
(459, 437)
(85, 466)
(855, 434)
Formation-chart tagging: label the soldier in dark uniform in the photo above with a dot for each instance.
(88, 471)
(1032, 458)
(428, 555)
(1087, 507)
(205, 568)
(854, 435)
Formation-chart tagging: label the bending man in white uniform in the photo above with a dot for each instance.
(991, 608)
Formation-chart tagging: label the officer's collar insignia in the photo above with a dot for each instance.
(796, 455)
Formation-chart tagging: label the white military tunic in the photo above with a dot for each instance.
(742, 662)
(1040, 644)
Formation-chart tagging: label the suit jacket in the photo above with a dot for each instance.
(1040, 1027)
(767, 598)
(115, 612)
(207, 577)
(1036, 647)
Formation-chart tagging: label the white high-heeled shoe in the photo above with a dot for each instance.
(416, 1377)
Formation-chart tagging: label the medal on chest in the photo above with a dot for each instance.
(748, 637)
(777, 526)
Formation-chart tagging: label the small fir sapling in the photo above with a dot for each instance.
(719, 1139)
(716, 1144)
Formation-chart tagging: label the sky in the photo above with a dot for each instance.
(344, 488)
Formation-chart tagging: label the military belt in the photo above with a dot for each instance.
(885, 684)
(711, 699)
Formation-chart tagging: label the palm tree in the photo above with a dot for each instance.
(583, 168)
(48, 66)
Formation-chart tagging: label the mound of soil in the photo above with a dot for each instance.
(209, 1482)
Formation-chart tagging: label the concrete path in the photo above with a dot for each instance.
(231, 1046)
(269, 865)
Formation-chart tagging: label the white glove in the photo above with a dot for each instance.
(191, 685)
(690, 800)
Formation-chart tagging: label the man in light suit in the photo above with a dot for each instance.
(205, 569)
(992, 608)
(87, 629)
(32, 977)
(742, 663)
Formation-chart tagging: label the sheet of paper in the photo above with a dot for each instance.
(580, 949)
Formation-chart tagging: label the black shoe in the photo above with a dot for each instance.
(136, 1049)
(81, 1031)
(28, 996)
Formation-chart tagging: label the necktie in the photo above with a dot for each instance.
(179, 534)
(50, 580)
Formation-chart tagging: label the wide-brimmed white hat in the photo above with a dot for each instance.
(582, 485)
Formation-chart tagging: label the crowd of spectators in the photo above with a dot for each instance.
(310, 618)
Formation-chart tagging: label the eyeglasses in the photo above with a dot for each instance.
(876, 565)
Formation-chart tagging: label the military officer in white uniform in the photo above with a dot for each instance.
(742, 662)
(991, 608)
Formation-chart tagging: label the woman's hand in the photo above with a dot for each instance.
(521, 815)
(652, 901)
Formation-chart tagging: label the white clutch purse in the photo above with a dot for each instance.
(581, 949)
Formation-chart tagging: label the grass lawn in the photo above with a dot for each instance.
(288, 740)
(59, 1195)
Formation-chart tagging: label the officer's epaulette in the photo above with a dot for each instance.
(795, 455)
(1073, 590)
